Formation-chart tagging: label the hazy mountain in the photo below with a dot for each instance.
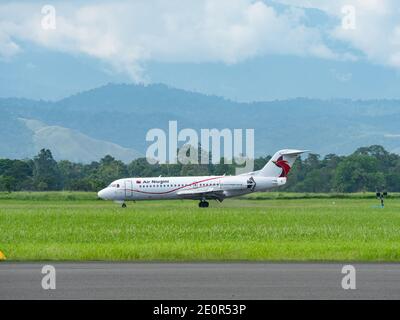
(115, 119)
(73, 145)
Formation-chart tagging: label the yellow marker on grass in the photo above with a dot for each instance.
(2, 256)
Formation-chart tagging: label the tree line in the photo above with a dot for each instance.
(367, 169)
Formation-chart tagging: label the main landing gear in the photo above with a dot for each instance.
(203, 204)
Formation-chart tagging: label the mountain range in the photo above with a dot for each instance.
(114, 119)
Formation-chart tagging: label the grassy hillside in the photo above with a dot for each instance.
(44, 227)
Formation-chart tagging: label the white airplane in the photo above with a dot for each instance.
(203, 188)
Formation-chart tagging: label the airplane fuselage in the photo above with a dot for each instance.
(200, 187)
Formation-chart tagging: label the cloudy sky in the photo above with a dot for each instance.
(239, 49)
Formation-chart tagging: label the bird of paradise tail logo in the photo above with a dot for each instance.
(284, 165)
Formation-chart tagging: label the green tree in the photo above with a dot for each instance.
(358, 173)
(7, 183)
(46, 174)
(141, 168)
(15, 174)
(110, 169)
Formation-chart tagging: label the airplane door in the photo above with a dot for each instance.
(128, 189)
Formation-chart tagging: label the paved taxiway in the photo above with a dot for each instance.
(199, 281)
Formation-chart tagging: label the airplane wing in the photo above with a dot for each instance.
(208, 193)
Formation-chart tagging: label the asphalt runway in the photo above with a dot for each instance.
(199, 281)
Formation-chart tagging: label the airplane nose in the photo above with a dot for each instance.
(101, 194)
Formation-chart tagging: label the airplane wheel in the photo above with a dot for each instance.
(123, 205)
(203, 204)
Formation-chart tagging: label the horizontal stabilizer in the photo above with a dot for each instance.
(292, 152)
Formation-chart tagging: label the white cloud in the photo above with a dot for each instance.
(377, 27)
(126, 34)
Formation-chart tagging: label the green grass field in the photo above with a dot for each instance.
(77, 226)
